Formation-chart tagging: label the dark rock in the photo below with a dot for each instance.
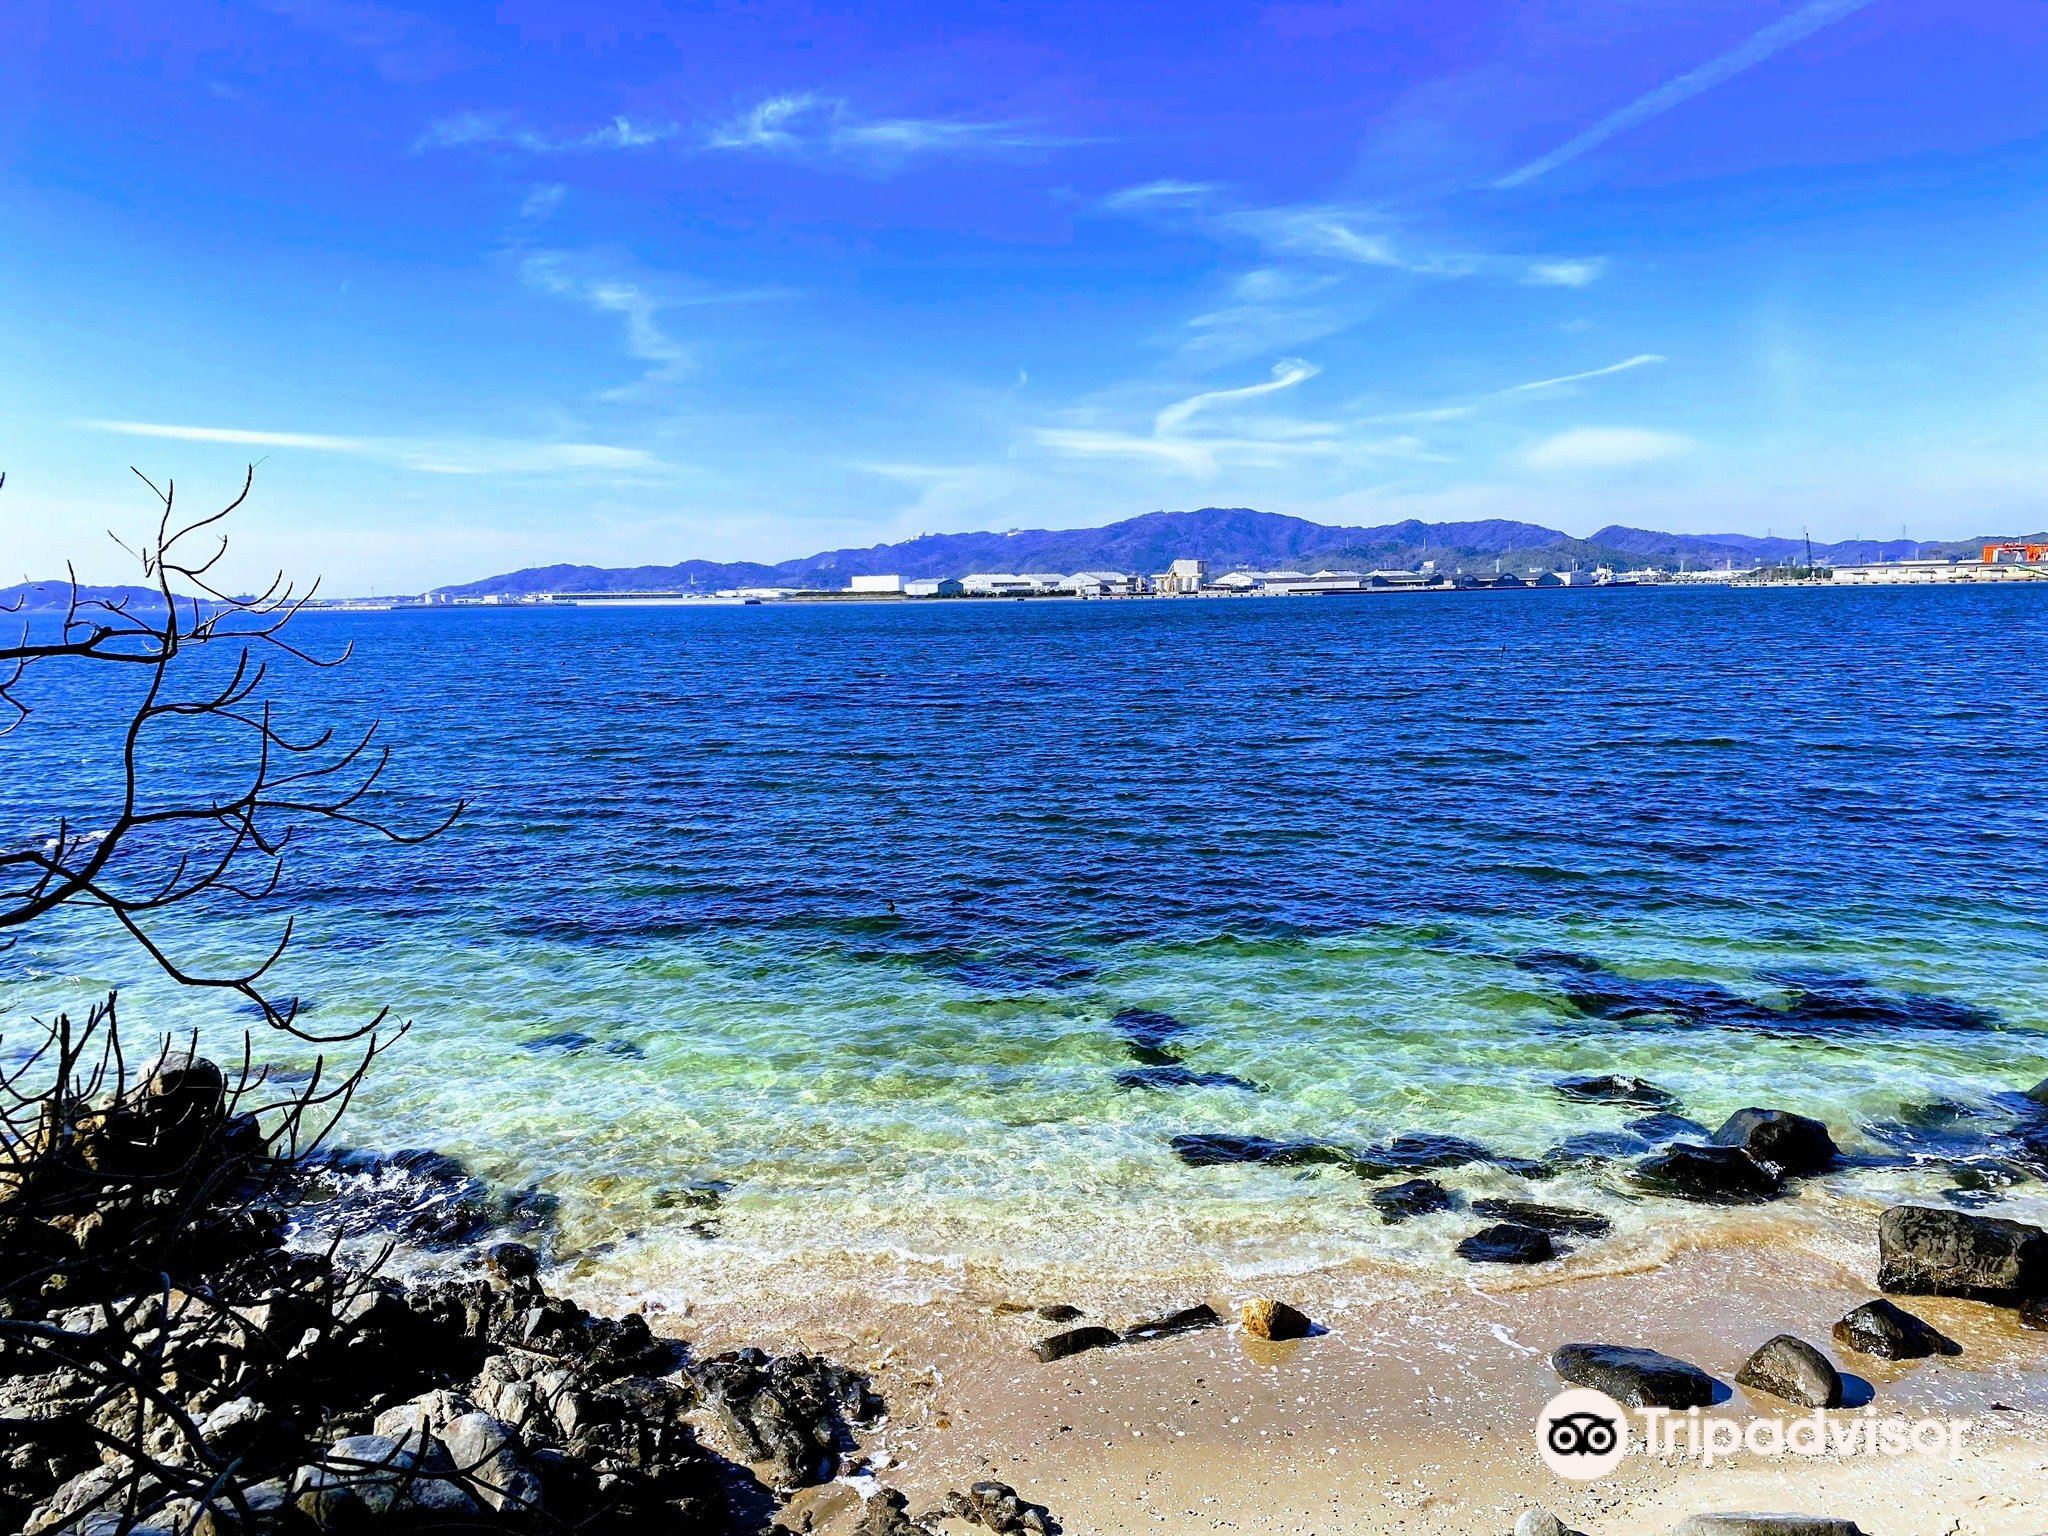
(793, 1412)
(1000, 1508)
(2034, 1314)
(1812, 1007)
(1794, 1144)
(1557, 1220)
(886, 1514)
(1844, 1003)
(1929, 1251)
(1021, 970)
(1149, 1078)
(1411, 1197)
(1186, 1320)
(695, 1194)
(1058, 1312)
(1639, 1378)
(1765, 1525)
(1208, 1149)
(183, 1087)
(1712, 1174)
(1148, 1027)
(574, 1042)
(1418, 1151)
(511, 1261)
(1890, 1332)
(420, 1194)
(1531, 1168)
(2039, 1093)
(1660, 1128)
(1587, 1149)
(1265, 1318)
(1614, 1088)
(1507, 1243)
(1794, 1370)
(1075, 1341)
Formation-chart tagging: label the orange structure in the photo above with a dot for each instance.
(2030, 553)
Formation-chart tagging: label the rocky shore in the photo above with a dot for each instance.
(170, 1366)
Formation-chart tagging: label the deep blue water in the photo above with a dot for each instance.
(846, 898)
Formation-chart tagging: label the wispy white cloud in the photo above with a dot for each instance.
(557, 273)
(771, 124)
(1596, 448)
(440, 456)
(806, 122)
(1626, 365)
(541, 201)
(319, 442)
(1456, 410)
(1776, 37)
(1355, 236)
(637, 301)
(1577, 272)
(1084, 443)
(1181, 438)
(1287, 373)
(497, 130)
(1158, 195)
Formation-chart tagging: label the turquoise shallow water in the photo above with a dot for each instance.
(839, 906)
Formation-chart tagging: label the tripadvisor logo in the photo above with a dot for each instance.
(1582, 1434)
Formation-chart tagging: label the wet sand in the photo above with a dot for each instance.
(1413, 1412)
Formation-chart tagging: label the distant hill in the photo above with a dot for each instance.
(53, 596)
(1226, 537)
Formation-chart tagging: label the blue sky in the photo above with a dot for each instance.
(490, 286)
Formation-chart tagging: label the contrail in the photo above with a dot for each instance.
(1779, 35)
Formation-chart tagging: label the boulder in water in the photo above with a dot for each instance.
(1714, 1175)
(1204, 1149)
(1507, 1243)
(1418, 1151)
(1615, 1088)
(1411, 1197)
(1557, 1220)
(1796, 1145)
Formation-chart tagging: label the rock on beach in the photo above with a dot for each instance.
(1934, 1251)
(1794, 1370)
(1889, 1332)
(1640, 1378)
(1265, 1318)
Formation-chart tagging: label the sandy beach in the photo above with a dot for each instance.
(1411, 1412)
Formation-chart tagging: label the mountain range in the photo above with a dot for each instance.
(1226, 537)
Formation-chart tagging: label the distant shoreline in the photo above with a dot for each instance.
(898, 600)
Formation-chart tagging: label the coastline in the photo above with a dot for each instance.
(1411, 1410)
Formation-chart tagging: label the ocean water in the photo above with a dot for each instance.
(836, 908)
